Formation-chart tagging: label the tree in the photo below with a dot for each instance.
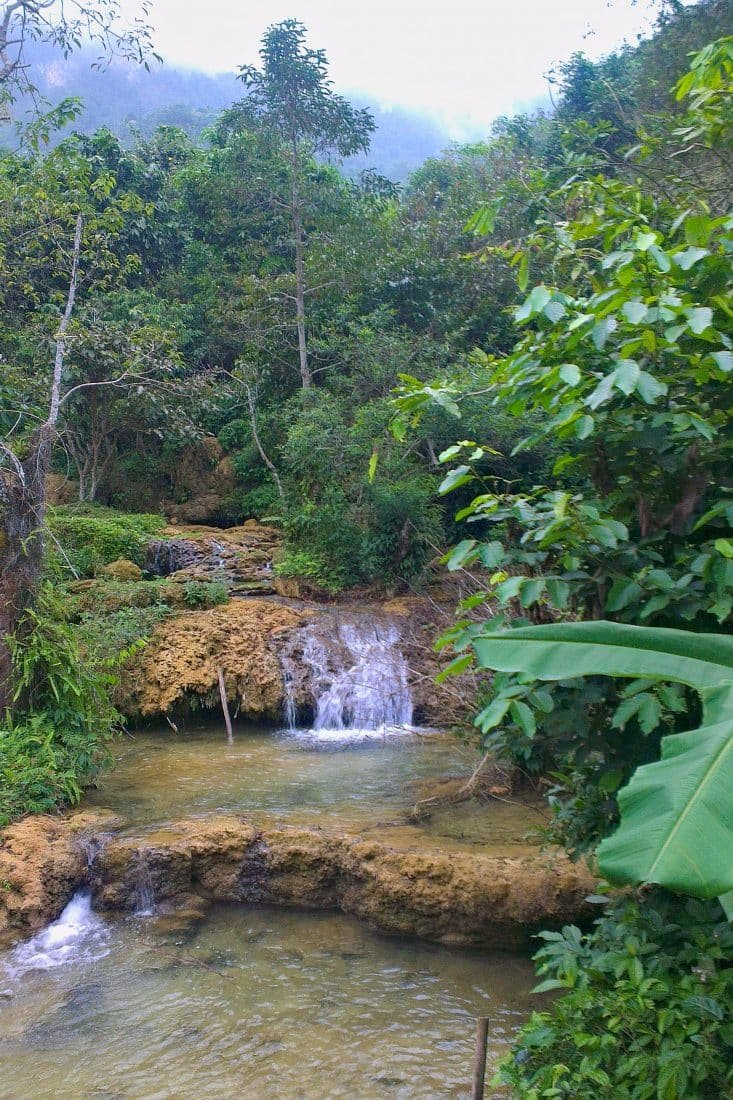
(292, 96)
(57, 233)
(65, 25)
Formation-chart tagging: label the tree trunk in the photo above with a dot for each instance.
(305, 373)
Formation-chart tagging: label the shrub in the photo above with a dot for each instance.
(87, 537)
(647, 1012)
(56, 738)
(202, 594)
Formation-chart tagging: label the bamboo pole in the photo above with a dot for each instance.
(479, 1066)
(224, 704)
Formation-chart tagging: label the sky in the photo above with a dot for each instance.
(462, 62)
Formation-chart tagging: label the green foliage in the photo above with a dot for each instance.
(108, 636)
(55, 740)
(90, 536)
(201, 594)
(676, 820)
(645, 1010)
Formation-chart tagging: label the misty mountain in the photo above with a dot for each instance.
(128, 99)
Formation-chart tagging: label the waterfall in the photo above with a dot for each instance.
(78, 932)
(144, 891)
(357, 676)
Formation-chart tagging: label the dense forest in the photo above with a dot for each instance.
(512, 365)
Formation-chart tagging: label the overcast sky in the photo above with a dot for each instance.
(463, 62)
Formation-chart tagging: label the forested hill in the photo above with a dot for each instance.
(125, 98)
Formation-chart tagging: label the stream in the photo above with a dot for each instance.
(262, 1003)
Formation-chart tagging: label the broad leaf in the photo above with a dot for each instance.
(676, 814)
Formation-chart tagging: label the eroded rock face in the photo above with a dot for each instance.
(42, 861)
(454, 898)
(179, 664)
(450, 897)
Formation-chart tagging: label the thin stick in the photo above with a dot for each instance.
(479, 1067)
(224, 704)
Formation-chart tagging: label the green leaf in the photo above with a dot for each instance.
(676, 825)
(584, 426)
(698, 229)
(523, 273)
(459, 476)
(373, 465)
(649, 389)
(676, 814)
(535, 303)
(459, 554)
(687, 259)
(724, 360)
(626, 375)
(523, 716)
(634, 312)
(699, 318)
(570, 374)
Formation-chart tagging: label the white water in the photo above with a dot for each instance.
(144, 891)
(77, 933)
(358, 680)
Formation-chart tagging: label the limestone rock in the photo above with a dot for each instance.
(450, 897)
(179, 664)
(42, 861)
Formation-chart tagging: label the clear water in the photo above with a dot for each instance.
(347, 782)
(265, 1005)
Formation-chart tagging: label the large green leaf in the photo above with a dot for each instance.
(676, 821)
(677, 813)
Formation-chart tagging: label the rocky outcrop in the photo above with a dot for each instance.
(177, 669)
(240, 557)
(450, 897)
(42, 861)
(453, 898)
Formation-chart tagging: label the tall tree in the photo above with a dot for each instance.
(74, 235)
(292, 95)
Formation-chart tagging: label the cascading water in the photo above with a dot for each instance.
(356, 676)
(77, 932)
(144, 892)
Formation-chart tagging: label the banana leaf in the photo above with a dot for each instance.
(677, 813)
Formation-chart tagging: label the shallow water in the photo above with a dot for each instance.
(260, 1004)
(346, 781)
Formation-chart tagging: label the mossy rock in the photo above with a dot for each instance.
(122, 570)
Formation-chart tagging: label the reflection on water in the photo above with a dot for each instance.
(256, 1004)
(351, 785)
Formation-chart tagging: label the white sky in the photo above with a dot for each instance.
(463, 62)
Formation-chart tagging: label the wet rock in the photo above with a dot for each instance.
(41, 863)
(454, 898)
(178, 667)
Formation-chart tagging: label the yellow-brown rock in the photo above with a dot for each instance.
(179, 665)
(41, 862)
(451, 897)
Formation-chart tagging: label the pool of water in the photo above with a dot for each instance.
(267, 1005)
(345, 781)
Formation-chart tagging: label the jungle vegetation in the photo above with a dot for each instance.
(519, 361)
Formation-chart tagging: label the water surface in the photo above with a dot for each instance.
(267, 1005)
(344, 780)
